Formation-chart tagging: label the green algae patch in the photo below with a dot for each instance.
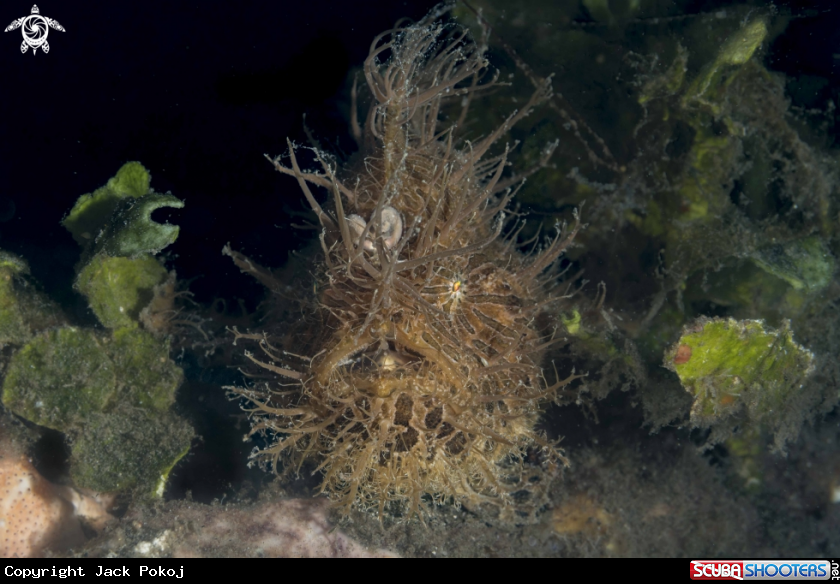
(736, 52)
(118, 288)
(24, 310)
(594, 342)
(116, 219)
(65, 375)
(739, 369)
(748, 291)
(60, 377)
(165, 472)
(572, 322)
(805, 264)
(110, 391)
(13, 263)
(149, 376)
(13, 327)
(93, 210)
(776, 282)
(745, 450)
(112, 394)
(118, 272)
(131, 230)
(702, 185)
(129, 448)
(668, 83)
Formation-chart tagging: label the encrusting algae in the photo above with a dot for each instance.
(417, 369)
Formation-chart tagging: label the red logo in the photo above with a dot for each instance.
(716, 570)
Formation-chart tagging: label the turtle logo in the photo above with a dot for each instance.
(35, 28)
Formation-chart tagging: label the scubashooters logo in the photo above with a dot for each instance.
(762, 570)
(35, 29)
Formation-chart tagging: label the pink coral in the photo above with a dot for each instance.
(36, 515)
(33, 515)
